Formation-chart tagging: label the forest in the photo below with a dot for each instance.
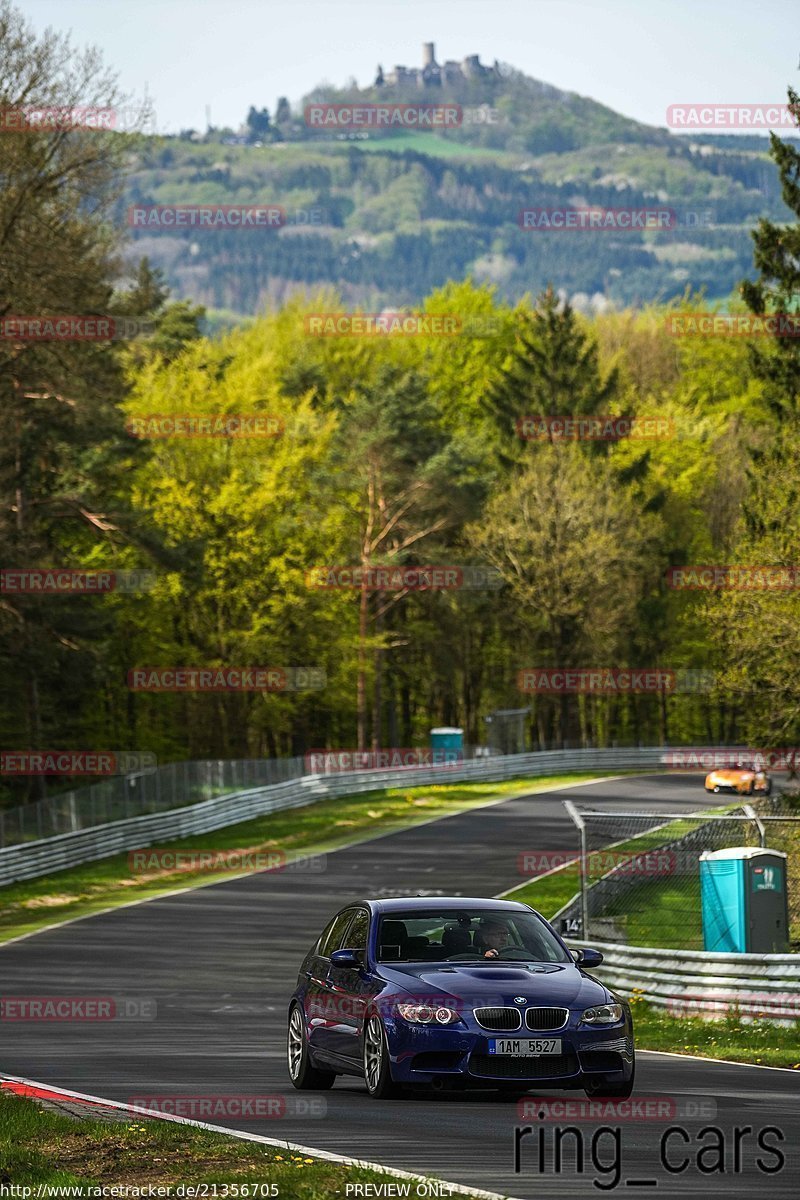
(394, 526)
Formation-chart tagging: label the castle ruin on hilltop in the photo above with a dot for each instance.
(433, 74)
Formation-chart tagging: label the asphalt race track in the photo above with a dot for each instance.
(220, 963)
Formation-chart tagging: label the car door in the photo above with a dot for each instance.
(321, 1003)
(352, 989)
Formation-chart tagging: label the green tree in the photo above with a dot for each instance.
(755, 632)
(62, 443)
(777, 260)
(552, 370)
(574, 552)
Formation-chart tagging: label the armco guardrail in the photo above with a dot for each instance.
(36, 858)
(140, 793)
(704, 983)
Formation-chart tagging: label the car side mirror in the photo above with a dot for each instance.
(587, 957)
(346, 958)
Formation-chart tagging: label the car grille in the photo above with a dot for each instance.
(546, 1018)
(498, 1018)
(506, 1066)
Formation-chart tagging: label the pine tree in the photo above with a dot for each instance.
(553, 370)
(63, 447)
(777, 259)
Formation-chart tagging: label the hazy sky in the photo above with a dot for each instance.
(637, 56)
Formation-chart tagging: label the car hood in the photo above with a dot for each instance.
(731, 776)
(542, 984)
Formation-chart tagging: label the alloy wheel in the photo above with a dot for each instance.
(296, 1042)
(373, 1053)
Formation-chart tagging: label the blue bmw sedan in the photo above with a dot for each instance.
(480, 993)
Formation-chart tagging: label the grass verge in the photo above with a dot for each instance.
(44, 1150)
(314, 829)
(657, 912)
(756, 1042)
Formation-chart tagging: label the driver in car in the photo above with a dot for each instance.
(494, 937)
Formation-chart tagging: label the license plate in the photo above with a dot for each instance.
(524, 1047)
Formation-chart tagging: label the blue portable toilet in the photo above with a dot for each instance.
(447, 744)
(744, 900)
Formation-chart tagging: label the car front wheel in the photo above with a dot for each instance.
(377, 1067)
(303, 1074)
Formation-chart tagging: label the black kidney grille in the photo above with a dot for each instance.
(546, 1018)
(498, 1018)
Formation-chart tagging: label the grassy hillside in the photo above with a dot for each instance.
(387, 217)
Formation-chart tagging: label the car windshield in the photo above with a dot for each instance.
(476, 935)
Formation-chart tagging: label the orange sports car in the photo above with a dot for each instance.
(744, 780)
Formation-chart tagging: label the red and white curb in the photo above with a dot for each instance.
(427, 1185)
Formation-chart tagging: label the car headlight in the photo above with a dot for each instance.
(602, 1014)
(427, 1014)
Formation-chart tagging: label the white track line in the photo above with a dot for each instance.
(135, 1110)
(730, 1062)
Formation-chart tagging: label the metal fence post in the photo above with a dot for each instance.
(759, 824)
(581, 825)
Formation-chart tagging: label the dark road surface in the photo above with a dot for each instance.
(220, 963)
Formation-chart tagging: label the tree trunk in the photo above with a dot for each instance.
(361, 683)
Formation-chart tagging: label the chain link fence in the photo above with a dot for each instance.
(139, 794)
(638, 874)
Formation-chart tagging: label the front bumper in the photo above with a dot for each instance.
(422, 1054)
(738, 789)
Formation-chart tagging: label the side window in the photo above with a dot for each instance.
(331, 939)
(323, 937)
(356, 936)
